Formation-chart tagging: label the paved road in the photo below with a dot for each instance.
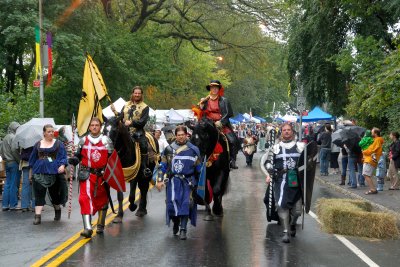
(241, 238)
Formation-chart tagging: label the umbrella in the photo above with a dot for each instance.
(348, 138)
(337, 137)
(30, 133)
(347, 135)
(356, 129)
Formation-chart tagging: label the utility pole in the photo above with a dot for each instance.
(41, 88)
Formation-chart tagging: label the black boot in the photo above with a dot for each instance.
(182, 235)
(343, 182)
(292, 230)
(38, 219)
(233, 164)
(175, 228)
(57, 214)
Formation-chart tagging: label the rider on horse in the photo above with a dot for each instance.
(217, 108)
(135, 116)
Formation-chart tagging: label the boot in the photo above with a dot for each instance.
(38, 219)
(57, 213)
(146, 170)
(101, 221)
(286, 237)
(292, 230)
(233, 164)
(343, 182)
(182, 235)
(175, 228)
(87, 226)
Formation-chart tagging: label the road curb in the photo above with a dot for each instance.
(353, 195)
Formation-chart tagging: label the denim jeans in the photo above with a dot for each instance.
(10, 193)
(352, 171)
(27, 200)
(324, 160)
(361, 179)
(345, 161)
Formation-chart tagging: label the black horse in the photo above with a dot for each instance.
(125, 147)
(206, 137)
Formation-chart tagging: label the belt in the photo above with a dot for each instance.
(97, 171)
(182, 176)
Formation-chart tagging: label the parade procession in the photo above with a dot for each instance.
(199, 133)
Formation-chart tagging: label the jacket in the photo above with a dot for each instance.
(225, 109)
(372, 154)
(8, 150)
(395, 151)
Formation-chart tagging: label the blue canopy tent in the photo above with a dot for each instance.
(260, 119)
(239, 117)
(317, 114)
(234, 121)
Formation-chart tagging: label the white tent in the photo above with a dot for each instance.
(119, 104)
(247, 116)
(289, 118)
(172, 116)
(187, 114)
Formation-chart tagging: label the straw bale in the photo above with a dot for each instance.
(355, 218)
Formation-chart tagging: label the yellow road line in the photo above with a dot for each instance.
(68, 253)
(68, 242)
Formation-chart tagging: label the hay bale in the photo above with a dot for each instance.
(354, 217)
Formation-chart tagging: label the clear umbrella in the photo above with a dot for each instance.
(31, 132)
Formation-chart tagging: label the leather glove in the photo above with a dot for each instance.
(73, 161)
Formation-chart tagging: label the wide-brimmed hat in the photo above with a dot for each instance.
(214, 83)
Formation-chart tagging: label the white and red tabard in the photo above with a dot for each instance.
(93, 156)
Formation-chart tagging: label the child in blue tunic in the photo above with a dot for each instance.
(179, 170)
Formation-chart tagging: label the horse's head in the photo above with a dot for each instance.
(204, 136)
(111, 128)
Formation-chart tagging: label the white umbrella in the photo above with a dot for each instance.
(29, 133)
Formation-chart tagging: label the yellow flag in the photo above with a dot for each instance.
(93, 90)
(97, 79)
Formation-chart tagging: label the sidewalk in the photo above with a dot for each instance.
(386, 200)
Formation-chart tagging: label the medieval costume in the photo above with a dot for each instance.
(93, 152)
(138, 113)
(282, 165)
(180, 167)
(249, 148)
(219, 110)
(45, 163)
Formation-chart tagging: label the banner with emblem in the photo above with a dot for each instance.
(114, 175)
(93, 90)
(201, 185)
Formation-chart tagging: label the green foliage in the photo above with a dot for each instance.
(18, 107)
(173, 68)
(318, 32)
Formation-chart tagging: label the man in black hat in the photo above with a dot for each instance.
(218, 109)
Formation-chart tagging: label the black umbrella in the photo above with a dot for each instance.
(360, 131)
(337, 137)
(350, 138)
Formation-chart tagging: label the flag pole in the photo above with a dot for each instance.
(72, 168)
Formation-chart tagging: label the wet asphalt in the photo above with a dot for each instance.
(243, 237)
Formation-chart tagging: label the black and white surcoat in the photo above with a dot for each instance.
(282, 157)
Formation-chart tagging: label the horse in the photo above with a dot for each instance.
(126, 149)
(209, 140)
